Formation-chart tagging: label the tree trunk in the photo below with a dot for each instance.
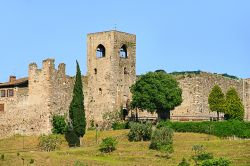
(218, 116)
(163, 115)
(136, 115)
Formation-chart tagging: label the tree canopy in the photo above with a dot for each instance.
(234, 106)
(216, 100)
(156, 91)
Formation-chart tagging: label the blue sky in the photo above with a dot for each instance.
(212, 35)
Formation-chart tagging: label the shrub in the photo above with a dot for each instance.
(110, 118)
(2, 156)
(120, 125)
(92, 125)
(140, 131)
(49, 142)
(79, 163)
(218, 162)
(108, 145)
(183, 162)
(203, 158)
(71, 137)
(162, 140)
(59, 124)
(32, 161)
(236, 128)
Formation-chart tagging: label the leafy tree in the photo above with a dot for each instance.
(234, 106)
(216, 100)
(156, 91)
(76, 108)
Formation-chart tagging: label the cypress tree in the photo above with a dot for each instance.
(234, 106)
(76, 109)
(216, 100)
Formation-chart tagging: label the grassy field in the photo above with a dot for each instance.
(127, 153)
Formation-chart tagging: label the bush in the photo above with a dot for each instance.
(203, 158)
(49, 142)
(120, 125)
(110, 118)
(71, 137)
(32, 161)
(59, 124)
(140, 131)
(183, 162)
(2, 156)
(236, 128)
(108, 145)
(162, 140)
(218, 162)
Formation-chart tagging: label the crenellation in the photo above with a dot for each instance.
(106, 87)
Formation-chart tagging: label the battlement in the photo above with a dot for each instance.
(48, 67)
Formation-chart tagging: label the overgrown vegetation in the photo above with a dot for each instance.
(50, 142)
(185, 72)
(108, 145)
(162, 140)
(233, 128)
(59, 124)
(140, 131)
(230, 76)
(199, 72)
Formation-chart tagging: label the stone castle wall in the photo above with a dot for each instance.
(105, 88)
(30, 110)
(195, 92)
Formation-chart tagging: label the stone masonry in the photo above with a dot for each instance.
(31, 102)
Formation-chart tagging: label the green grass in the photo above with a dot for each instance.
(127, 153)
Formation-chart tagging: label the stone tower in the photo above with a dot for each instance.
(111, 57)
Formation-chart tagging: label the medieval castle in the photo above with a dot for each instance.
(28, 104)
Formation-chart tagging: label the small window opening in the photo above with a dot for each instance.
(95, 71)
(1, 107)
(10, 92)
(123, 52)
(125, 70)
(100, 51)
(3, 93)
(100, 91)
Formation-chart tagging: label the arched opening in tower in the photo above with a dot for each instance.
(100, 51)
(123, 51)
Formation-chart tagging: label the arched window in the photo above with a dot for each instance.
(100, 51)
(123, 51)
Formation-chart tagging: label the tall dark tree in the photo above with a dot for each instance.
(216, 100)
(156, 92)
(234, 106)
(76, 108)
